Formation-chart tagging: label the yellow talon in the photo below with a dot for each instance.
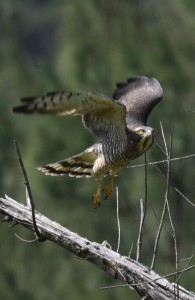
(107, 190)
(97, 196)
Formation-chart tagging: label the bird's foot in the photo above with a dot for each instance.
(96, 200)
(107, 191)
(97, 196)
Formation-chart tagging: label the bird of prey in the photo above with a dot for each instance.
(119, 121)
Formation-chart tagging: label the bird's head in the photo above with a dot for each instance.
(146, 137)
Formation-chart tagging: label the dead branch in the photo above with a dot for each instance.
(29, 198)
(143, 208)
(165, 206)
(144, 281)
(156, 165)
(118, 220)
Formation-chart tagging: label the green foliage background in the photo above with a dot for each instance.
(83, 46)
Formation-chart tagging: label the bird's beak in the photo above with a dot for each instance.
(150, 133)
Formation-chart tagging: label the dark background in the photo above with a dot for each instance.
(88, 46)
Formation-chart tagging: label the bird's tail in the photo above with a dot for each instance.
(80, 165)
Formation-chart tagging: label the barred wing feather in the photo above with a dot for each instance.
(99, 112)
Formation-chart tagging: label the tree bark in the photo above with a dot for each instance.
(147, 283)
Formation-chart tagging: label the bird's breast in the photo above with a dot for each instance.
(114, 149)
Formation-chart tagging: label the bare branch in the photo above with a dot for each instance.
(130, 251)
(139, 240)
(158, 168)
(143, 212)
(164, 276)
(118, 220)
(152, 163)
(158, 235)
(186, 266)
(164, 206)
(169, 214)
(144, 281)
(29, 197)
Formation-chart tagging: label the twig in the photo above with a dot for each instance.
(139, 240)
(163, 225)
(143, 207)
(118, 220)
(28, 193)
(162, 161)
(153, 280)
(24, 240)
(186, 266)
(158, 168)
(183, 196)
(158, 235)
(127, 270)
(159, 146)
(164, 207)
(130, 251)
(170, 217)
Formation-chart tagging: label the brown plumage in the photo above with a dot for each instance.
(119, 121)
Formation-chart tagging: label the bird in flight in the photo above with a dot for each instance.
(119, 121)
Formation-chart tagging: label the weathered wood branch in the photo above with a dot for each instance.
(147, 283)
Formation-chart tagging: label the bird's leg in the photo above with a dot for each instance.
(97, 195)
(107, 190)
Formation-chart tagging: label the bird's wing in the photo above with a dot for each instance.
(79, 165)
(139, 95)
(100, 113)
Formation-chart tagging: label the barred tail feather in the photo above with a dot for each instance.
(80, 165)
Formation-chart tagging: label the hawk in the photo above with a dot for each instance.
(119, 121)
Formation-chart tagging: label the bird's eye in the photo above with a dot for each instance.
(141, 131)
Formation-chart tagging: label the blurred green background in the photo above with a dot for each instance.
(88, 46)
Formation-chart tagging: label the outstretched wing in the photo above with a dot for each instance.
(78, 166)
(99, 112)
(139, 95)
